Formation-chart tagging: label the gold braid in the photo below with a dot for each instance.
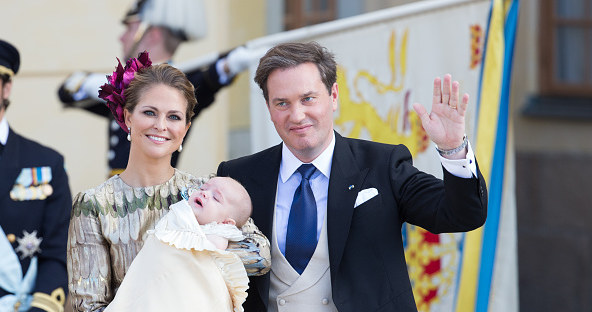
(50, 303)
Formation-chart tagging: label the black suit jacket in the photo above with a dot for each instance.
(367, 262)
(49, 217)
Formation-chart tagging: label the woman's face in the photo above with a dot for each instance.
(158, 123)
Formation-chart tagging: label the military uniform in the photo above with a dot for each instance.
(35, 203)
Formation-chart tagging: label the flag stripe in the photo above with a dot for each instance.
(497, 176)
(486, 134)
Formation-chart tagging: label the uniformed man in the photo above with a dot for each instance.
(35, 204)
(159, 27)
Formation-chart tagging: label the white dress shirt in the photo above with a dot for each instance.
(288, 182)
(319, 182)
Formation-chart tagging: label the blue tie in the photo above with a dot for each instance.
(301, 236)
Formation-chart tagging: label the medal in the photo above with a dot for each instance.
(25, 178)
(32, 184)
(47, 189)
(29, 244)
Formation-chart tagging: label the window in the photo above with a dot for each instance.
(566, 48)
(300, 13)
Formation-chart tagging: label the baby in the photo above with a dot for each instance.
(183, 265)
(219, 201)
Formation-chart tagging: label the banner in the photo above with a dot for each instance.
(482, 256)
(387, 60)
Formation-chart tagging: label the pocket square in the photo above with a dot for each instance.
(365, 195)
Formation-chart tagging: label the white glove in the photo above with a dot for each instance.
(239, 59)
(92, 84)
(83, 85)
(74, 81)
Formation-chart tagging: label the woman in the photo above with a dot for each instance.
(109, 223)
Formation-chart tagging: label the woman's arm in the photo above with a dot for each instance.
(253, 250)
(89, 265)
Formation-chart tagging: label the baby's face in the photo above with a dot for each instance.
(214, 201)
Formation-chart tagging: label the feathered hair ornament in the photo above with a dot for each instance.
(113, 91)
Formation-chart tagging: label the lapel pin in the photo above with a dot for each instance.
(351, 187)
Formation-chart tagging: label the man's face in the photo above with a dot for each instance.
(301, 109)
(128, 39)
(4, 94)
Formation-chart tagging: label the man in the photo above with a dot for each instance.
(333, 207)
(35, 205)
(159, 27)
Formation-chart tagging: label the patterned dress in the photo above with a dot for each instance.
(108, 227)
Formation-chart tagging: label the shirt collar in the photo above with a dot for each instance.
(290, 163)
(3, 131)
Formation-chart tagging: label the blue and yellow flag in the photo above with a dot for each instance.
(479, 249)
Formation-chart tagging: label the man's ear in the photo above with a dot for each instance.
(229, 221)
(334, 95)
(153, 35)
(6, 87)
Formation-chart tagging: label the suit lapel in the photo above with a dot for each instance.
(263, 181)
(344, 185)
(9, 162)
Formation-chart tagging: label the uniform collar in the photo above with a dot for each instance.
(290, 163)
(3, 131)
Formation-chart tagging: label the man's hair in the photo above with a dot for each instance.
(288, 55)
(163, 74)
(5, 78)
(10, 62)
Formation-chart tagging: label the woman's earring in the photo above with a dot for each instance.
(180, 148)
(129, 134)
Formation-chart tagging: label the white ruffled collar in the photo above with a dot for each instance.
(179, 228)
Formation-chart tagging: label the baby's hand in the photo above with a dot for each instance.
(218, 241)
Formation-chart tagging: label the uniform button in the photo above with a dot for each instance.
(282, 302)
(114, 140)
(11, 237)
(325, 301)
(111, 155)
(114, 125)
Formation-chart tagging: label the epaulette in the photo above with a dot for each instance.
(50, 303)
